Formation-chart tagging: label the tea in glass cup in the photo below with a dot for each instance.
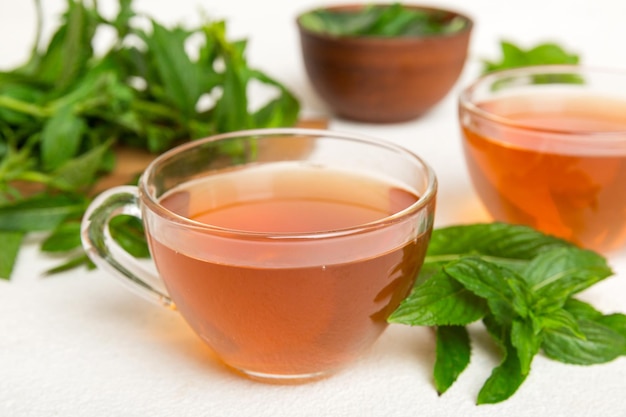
(287, 264)
(546, 146)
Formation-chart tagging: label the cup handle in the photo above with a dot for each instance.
(108, 255)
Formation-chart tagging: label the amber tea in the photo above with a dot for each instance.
(263, 308)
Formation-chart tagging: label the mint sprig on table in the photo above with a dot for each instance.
(515, 56)
(547, 53)
(522, 285)
(66, 109)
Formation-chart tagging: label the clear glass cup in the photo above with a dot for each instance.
(284, 249)
(545, 146)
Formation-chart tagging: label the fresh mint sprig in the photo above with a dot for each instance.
(521, 284)
(516, 56)
(546, 53)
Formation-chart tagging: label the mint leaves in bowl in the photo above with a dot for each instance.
(383, 62)
(395, 20)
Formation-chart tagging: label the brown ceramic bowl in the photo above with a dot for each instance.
(384, 80)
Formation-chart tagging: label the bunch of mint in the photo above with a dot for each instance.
(515, 56)
(521, 284)
(66, 109)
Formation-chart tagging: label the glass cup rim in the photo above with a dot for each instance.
(467, 103)
(150, 201)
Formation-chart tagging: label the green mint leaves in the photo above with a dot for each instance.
(514, 56)
(392, 20)
(548, 53)
(521, 284)
(65, 110)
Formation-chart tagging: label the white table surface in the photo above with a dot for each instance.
(79, 344)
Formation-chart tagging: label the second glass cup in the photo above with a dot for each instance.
(546, 147)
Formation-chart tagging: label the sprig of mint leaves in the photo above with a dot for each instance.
(545, 53)
(521, 284)
(516, 56)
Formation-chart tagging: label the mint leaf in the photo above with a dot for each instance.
(600, 344)
(501, 288)
(498, 240)
(562, 272)
(10, 242)
(231, 108)
(61, 138)
(581, 310)
(513, 56)
(453, 355)
(73, 262)
(179, 76)
(439, 301)
(508, 376)
(605, 333)
(277, 112)
(64, 238)
(616, 322)
(550, 53)
(81, 171)
(129, 233)
(505, 379)
(41, 212)
(527, 341)
(510, 246)
(561, 320)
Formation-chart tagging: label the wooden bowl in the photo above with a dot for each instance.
(384, 80)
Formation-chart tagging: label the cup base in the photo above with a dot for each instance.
(278, 379)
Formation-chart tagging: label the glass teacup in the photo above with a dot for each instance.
(284, 249)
